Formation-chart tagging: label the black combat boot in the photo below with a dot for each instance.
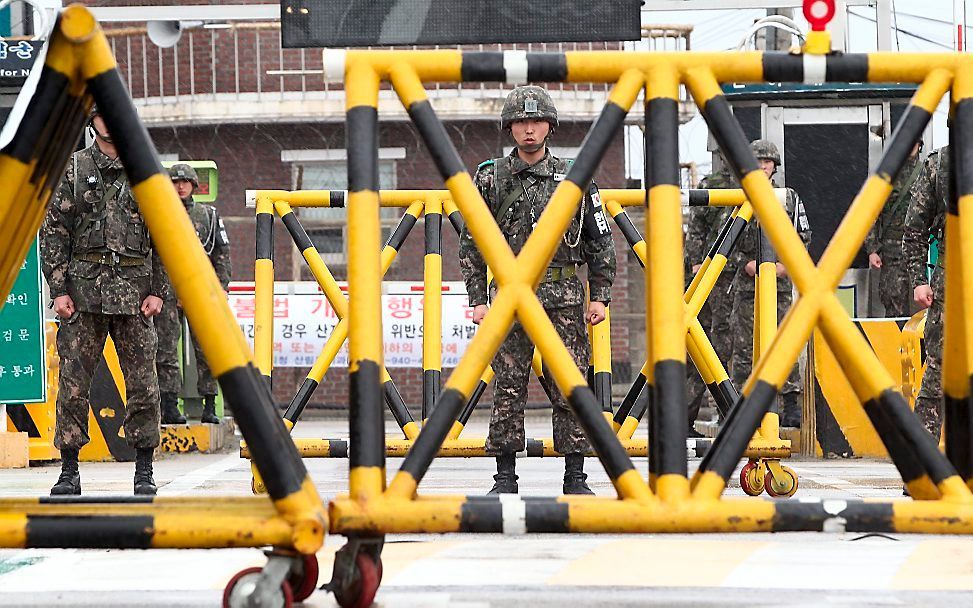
(209, 410)
(144, 484)
(69, 482)
(506, 477)
(790, 410)
(574, 476)
(170, 410)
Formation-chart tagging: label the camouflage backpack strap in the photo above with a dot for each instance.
(904, 194)
(512, 196)
(90, 167)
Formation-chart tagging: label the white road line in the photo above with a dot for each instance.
(190, 481)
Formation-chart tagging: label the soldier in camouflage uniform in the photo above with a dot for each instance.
(745, 260)
(105, 279)
(884, 243)
(212, 234)
(927, 216)
(704, 227)
(517, 188)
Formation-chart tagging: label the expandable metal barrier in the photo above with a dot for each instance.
(78, 61)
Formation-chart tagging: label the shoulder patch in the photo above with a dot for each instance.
(486, 163)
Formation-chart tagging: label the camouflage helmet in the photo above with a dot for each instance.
(528, 102)
(184, 171)
(765, 149)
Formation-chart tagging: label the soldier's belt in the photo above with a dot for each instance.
(556, 273)
(110, 258)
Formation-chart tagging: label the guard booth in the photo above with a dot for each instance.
(830, 137)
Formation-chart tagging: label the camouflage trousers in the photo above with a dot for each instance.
(80, 342)
(895, 288)
(929, 401)
(715, 319)
(168, 325)
(742, 358)
(512, 368)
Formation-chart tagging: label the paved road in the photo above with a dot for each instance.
(491, 570)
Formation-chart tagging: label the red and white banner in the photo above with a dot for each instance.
(304, 319)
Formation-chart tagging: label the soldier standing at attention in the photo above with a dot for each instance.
(517, 188)
(212, 235)
(704, 227)
(745, 259)
(927, 216)
(884, 242)
(105, 279)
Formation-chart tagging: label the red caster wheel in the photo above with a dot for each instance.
(752, 478)
(361, 592)
(786, 487)
(306, 581)
(243, 585)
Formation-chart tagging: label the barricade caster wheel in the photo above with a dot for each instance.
(752, 478)
(303, 578)
(785, 487)
(360, 590)
(242, 591)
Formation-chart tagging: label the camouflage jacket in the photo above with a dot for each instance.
(705, 222)
(885, 237)
(747, 247)
(594, 246)
(212, 234)
(926, 215)
(95, 246)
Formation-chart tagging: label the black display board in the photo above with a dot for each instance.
(358, 23)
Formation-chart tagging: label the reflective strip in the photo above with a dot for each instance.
(334, 65)
(815, 69)
(515, 66)
(514, 511)
(837, 523)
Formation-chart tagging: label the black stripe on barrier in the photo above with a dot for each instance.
(855, 516)
(89, 531)
(547, 67)
(910, 129)
(336, 198)
(592, 149)
(724, 230)
(337, 448)
(434, 432)
(21, 419)
(909, 466)
(589, 414)
(362, 134)
(547, 515)
(663, 136)
(961, 157)
(828, 432)
(958, 427)
(729, 135)
(638, 385)
(724, 394)
(485, 516)
(298, 234)
(849, 67)
(135, 147)
(402, 230)
(641, 404)
(430, 390)
(535, 448)
(736, 433)
(301, 399)
(630, 232)
(783, 67)
(265, 236)
(271, 448)
(393, 398)
(482, 67)
(436, 138)
(95, 500)
(793, 516)
(698, 198)
(365, 416)
(603, 390)
(732, 237)
(433, 233)
(471, 403)
(919, 441)
(50, 95)
(456, 219)
(765, 251)
(670, 392)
